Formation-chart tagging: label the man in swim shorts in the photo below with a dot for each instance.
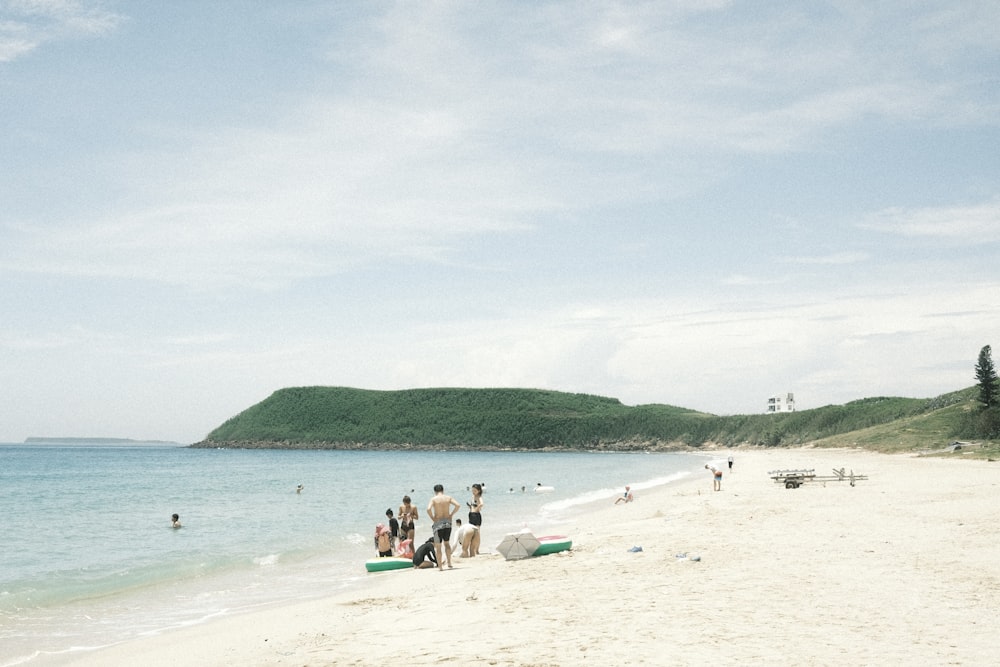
(441, 509)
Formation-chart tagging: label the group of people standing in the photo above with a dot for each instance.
(397, 537)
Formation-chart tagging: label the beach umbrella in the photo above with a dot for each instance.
(515, 546)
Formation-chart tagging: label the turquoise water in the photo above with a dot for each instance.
(89, 558)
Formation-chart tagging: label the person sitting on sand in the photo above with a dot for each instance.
(625, 497)
(424, 557)
(405, 549)
(175, 521)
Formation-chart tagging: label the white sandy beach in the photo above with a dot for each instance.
(901, 569)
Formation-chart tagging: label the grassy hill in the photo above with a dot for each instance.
(342, 417)
(950, 419)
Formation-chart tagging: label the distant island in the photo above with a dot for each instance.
(461, 419)
(34, 440)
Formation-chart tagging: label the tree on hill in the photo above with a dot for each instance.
(986, 374)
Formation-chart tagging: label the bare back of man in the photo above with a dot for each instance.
(441, 509)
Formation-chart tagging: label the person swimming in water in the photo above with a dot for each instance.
(175, 521)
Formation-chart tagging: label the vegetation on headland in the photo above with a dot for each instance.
(529, 419)
(986, 374)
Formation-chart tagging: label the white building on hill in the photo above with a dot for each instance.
(781, 403)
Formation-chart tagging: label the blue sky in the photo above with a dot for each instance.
(693, 203)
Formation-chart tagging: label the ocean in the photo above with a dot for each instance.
(89, 557)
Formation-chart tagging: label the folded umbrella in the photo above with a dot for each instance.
(515, 546)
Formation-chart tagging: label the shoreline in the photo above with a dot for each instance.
(902, 568)
(609, 447)
(295, 547)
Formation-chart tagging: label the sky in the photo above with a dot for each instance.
(693, 203)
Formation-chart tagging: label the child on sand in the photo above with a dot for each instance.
(405, 549)
(383, 541)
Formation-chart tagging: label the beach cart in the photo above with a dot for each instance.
(793, 479)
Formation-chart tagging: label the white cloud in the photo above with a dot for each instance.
(743, 280)
(730, 358)
(835, 259)
(26, 342)
(964, 225)
(32, 23)
(419, 157)
(714, 356)
(11, 49)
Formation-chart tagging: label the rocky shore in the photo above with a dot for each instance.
(615, 446)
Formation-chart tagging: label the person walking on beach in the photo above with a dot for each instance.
(475, 517)
(407, 518)
(716, 477)
(440, 510)
(730, 462)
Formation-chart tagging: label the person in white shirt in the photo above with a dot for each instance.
(463, 536)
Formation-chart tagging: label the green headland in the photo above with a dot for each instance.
(529, 419)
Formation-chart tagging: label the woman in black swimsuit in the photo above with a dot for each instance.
(407, 516)
(476, 517)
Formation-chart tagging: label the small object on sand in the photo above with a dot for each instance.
(695, 558)
(635, 549)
